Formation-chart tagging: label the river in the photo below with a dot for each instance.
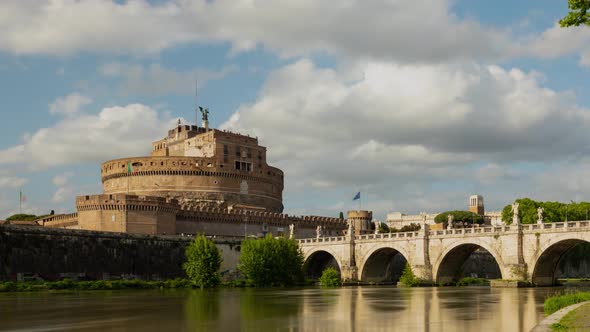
(306, 309)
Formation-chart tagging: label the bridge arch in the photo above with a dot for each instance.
(451, 259)
(545, 263)
(318, 260)
(383, 264)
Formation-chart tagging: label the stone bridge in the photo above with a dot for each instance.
(522, 252)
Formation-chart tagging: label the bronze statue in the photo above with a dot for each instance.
(205, 113)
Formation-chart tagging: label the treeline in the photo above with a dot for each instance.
(552, 211)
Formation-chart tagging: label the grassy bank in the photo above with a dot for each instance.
(554, 303)
(66, 284)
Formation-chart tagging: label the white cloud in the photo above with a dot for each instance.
(402, 129)
(12, 181)
(154, 80)
(62, 179)
(118, 131)
(69, 105)
(358, 28)
(64, 190)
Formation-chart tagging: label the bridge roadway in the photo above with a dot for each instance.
(523, 252)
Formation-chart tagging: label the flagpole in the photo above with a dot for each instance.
(20, 201)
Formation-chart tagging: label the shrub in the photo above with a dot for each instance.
(408, 278)
(467, 281)
(271, 262)
(203, 260)
(330, 278)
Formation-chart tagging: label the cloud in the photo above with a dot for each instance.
(401, 130)
(354, 28)
(69, 105)
(118, 131)
(12, 181)
(155, 80)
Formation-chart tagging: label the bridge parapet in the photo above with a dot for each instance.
(322, 239)
(557, 226)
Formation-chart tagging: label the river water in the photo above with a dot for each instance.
(306, 309)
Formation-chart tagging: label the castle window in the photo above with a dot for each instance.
(249, 154)
(238, 153)
(237, 165)
(225, 149)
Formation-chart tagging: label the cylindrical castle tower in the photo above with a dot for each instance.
(361, 220)
(200, 168)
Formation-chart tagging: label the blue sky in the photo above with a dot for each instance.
(416, 104)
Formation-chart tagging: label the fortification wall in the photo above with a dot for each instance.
(156, 215)
(195, 182)
(52, 253)
(246, 223)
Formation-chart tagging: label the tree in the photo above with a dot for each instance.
(341, 216)
(203, 260)
(22, 217)
(578, 13)
(330, 278)
(552, 211)
(459, 216)
(271, 261)
(383, 228)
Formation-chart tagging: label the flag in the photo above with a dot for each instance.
(22, 198)
(129, 167)
(357, 196)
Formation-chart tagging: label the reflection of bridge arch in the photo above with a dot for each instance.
(449, 263)
(383, 264)
(545, 262)
(317, 261)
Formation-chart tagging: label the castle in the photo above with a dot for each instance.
(197, 180)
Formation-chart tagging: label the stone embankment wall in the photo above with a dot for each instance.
(56, 253)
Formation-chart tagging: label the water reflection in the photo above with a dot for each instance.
(309, 309)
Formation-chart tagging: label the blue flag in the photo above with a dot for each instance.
(357, 196)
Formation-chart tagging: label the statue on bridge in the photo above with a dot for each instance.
(540, 211)
(450, 219)
(377, 224)
(319, 232)
(291, 231)
(515, 213)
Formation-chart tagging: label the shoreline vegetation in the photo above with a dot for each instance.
(559, 301)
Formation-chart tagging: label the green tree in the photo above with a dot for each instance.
(341, 216)
(330, 278)
(459, 216)
(203, 260)
(578, 13)
(22, 217)
(271, 261)
(383, 228)
(552, 211)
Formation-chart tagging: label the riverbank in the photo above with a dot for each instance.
(575, 320)
(67, 284)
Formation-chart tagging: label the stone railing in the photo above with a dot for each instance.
(557, 225)
(387, 236)
(322, 239)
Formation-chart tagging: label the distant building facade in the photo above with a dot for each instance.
(476, 205)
